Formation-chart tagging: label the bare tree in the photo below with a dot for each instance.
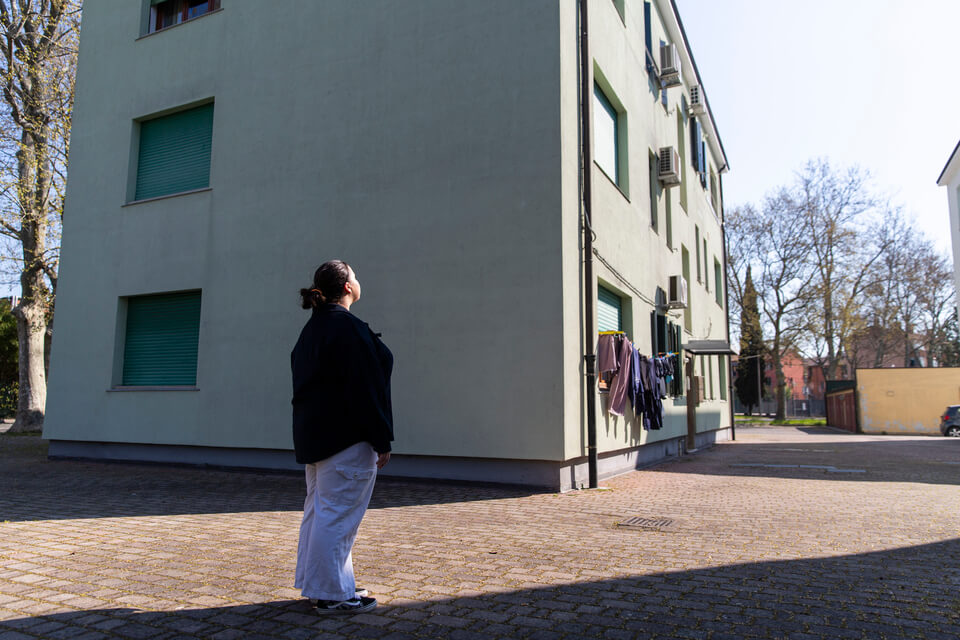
(773, 241)
(740, 249)
(38, 39)
(841, 216)
(934, 298)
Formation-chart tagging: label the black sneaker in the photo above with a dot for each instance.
(353, 605)
(361, 593)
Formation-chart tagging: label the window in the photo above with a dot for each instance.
(668, 217)
(665, 337)
(696, 243)
(663, 91)
(168, 13)
(654, 191)
(606, 135)
(722, 370)
(717, 287)
(706, 272)
(609, 310)
(714, 192)
(685, 262)
(698, 151)
(648, 40)
(174, 153)
(160, 341)
(710, 376)
(682, 147)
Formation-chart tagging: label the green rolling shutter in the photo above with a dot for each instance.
(608, 310)
(175, 153)
(163, 332)
(722, 369)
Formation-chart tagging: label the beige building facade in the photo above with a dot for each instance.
(887, 399)
(434, 146)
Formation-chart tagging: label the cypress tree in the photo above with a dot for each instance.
(751, 348)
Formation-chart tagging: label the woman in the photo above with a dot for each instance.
(342, 428)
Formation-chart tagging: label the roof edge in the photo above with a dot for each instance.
(696, 71)
(953, 156)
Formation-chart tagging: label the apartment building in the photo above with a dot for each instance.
(950, 178)
(436, 147)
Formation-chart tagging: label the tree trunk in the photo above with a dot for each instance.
(781, 384)
(31, 333)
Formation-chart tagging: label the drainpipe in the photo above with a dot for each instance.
(589, 358)
(726, 308)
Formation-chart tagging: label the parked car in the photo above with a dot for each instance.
(950, 421)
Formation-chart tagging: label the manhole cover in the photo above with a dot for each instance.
(641, 522)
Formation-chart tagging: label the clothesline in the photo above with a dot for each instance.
(625, 374)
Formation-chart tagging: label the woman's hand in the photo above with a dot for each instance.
(382, 460)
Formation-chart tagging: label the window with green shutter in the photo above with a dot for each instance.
(722, 369)
(161, 339)
(606, 135)
(717, 284)
(174, 153)
(609, 310)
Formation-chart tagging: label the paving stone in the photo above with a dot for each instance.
(109, 550)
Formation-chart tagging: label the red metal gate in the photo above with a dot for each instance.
(842, 410)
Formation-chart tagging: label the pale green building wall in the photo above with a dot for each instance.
(418, 141)
(434, 146)
(622, 223)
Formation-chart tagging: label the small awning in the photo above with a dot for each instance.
(709, 348)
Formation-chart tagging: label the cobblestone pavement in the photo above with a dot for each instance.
(786, 533)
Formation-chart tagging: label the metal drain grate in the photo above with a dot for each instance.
(640, 522)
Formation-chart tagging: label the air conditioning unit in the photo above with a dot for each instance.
(669, 166)
(669, 65)
(698, 101)
(677, 298)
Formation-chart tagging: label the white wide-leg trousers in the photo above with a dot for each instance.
(338, 492)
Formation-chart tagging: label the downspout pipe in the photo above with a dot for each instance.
(726, 308)
(589, 357)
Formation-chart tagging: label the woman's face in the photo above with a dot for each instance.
(353, 284)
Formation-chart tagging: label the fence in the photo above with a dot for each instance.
(794, 408)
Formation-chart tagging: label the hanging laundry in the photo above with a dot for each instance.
(607, 353)
(623, 378)
(635, 391)
(661, 382)
(668, 368)
(652, 404)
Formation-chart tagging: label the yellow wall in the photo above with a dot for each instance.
(905, 400)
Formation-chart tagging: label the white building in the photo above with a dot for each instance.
(435, 146)
(950, 178)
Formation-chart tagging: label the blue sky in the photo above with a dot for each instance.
(872, 83)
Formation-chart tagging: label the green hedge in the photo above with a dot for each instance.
(8, 400)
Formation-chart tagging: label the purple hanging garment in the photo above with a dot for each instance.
(622, 381)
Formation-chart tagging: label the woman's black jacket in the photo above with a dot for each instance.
(341, 386)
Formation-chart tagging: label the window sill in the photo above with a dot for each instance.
(174, 26)
(612, 181)
(165, 196)
(155, 388)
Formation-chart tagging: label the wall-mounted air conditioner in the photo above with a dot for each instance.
(698, 101)
(669, 65)
(677, 298)
(669, 166)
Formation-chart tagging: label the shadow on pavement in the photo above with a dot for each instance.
(901, 593)
(37, 489)
(829, 455)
